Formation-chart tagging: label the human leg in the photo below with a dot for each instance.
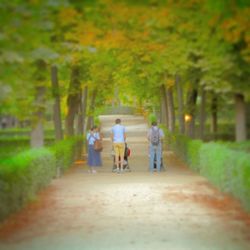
(151, 158)
(121, 154)
(116, 149)
(158, 158)
(91, 162)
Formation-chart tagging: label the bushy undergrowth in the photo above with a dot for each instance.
(20, 132)
(23, 175)
(226, 165)
(239, 146)
(10, 146)
(65, 152)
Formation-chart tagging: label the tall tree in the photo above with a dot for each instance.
(37, 132)
(73, 100)
(57, 104)
(202, 119)
(180, 104)
(82, 111)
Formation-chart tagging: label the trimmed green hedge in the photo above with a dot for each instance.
(22, 132)
(224, 165)
(66, 152)
(240, 146)
(23, 175)
(10, 146)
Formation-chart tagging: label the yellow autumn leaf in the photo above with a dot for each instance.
(170, 82)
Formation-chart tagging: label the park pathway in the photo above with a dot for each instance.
(176, 209)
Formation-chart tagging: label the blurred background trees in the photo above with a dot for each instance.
(185, 61)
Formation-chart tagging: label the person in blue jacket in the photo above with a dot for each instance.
(94, 157)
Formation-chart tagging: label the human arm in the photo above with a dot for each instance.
(88, 135)
(149, 134)
(112, 135)
(124, 134)
(161, 135)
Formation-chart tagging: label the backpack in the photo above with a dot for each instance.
(98, 145)
(155, 137)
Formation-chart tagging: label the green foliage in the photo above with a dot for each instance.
(109, 110)
(193, 149)
(152, 118)
(213, 161)
(239, 146)
(224, 164)
(136, 46)
(64, 152)
(227, 169)
(23, 175)
(97, 121)
(11, 145)
(177, 143)
(16, 133)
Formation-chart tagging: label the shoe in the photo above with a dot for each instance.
(116, 170)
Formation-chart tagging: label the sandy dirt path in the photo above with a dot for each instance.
(175, 209)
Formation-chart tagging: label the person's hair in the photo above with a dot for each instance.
(118, 121)
(154, 123)
(94, 127)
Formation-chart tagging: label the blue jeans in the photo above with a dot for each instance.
(152, 151)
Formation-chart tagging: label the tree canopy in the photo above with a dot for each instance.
(135, 46)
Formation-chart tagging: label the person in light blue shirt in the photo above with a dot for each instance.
(118, 138)
(94, 157)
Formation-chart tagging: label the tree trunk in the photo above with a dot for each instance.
(117, 99)
(191, 104)
(85, 104)
(202, 113)
(180, 105)
(240, 126)
(56, 107)
(165, 103)
(248, 117)
(214, 111)
(82, 112)
(37, 131)
(171, 111)
(163, 118)
(79, 128)
(90, 121)
(73, 100)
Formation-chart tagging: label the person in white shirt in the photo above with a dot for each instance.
(118, 138)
